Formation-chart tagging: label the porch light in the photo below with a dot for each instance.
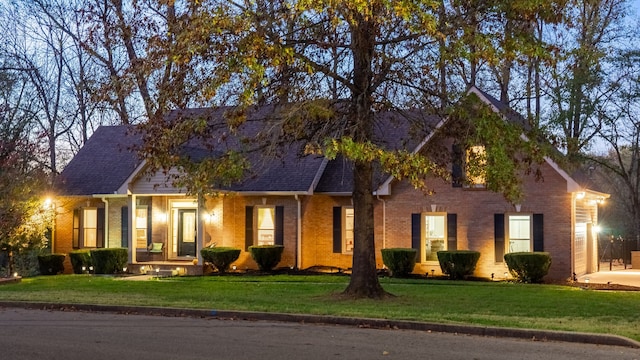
(208, 217)
(597, 229)
(47, 203)
(161, 217)
(580, 195)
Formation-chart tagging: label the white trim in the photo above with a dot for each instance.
(319, 173)
(125, 188)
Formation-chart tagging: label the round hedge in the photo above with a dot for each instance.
(528, 267)
(266, 256)
(79, 259)
(458, 264)
(400, 261)
(51, 264)
(220, 257)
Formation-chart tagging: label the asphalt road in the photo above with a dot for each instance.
(42, 334)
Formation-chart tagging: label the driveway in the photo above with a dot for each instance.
(618, 275)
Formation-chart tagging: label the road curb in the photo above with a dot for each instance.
(527, 334)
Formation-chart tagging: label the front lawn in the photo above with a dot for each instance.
(482, 303)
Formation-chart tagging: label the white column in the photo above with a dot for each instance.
(200, 221)
(130, 229)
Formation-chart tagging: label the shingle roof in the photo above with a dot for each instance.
(102, 165)
(106, 160)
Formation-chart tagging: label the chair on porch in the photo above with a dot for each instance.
(156, 248)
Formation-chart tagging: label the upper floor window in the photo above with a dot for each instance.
(475, 170)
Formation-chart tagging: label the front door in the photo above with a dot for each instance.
(187, 232)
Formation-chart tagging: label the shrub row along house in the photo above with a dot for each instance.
(107, 199)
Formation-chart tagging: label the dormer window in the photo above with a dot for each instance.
(475, 167)
(468, 166)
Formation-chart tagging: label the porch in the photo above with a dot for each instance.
(166, 268)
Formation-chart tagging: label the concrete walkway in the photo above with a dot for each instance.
(617, 275)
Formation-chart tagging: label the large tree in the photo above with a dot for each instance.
(302, 56)
(23, 181)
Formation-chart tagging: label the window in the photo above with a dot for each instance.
(343, 236)
(141, 227)
(519, 232)
(432, 232)
(435, 235)
(266, 228)
(264, 225)
(347, 217)
(476, 166)
(88, 227)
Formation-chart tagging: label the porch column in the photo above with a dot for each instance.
(200, 228)
(132, 222)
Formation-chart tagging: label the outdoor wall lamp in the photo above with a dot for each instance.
(208, 217)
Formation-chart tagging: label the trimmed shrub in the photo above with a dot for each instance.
(458, 264)
(79, 259)
(51, 264)
(109, 261)
(528, 267)
(220, 257)
(400, 261)
(267, 256)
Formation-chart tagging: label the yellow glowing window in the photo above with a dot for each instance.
(476, 166)
(266, 225)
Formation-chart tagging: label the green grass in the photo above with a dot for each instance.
(481, 303)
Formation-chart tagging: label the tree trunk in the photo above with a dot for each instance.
(364, 280)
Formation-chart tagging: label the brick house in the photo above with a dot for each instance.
(106, 199)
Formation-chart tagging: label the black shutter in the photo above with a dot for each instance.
(416, 235)
(452, 232)
(248, 227)
(76, 228)
(538, 232)
(149, 223)
(337, 230)
(498, 231)
(124, 227)
(279, 230)
(100, 228)
(457, 161)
